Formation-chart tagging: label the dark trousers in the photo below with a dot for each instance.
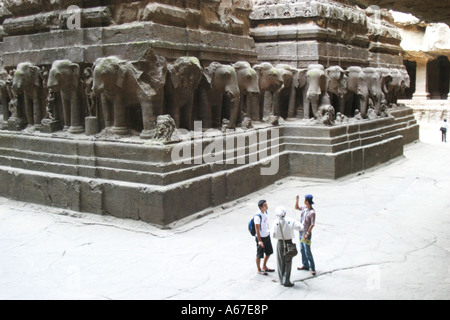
(284, 264)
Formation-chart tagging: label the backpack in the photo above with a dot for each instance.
(251, 225)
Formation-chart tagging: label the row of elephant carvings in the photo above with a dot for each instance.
(125, 95)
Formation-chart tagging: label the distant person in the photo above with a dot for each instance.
(283, 230)
(308, 220)
(263, 243)
(444, 128)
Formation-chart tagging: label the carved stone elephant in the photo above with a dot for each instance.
(285, 97)
(299, 90)
(64, 76)
(5, 95)
(183, 79)
(315, 90)
(337, 87)
(386, 79)
(394, 87)
(27, 80)
(357, 92)
(270, 82)
(374, 86)
(406, 81)
(123, 85)
(249, 90)
(219, 96)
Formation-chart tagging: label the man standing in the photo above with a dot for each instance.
(444, 128)
(308, 220)
(283, 230)
(263, 243)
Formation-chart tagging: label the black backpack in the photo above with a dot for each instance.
(251, 225)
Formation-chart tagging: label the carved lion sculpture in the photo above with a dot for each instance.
(327, 115)
(165, 127)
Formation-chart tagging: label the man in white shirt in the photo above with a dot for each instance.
(283, 228)
(444, 128)
(263, 243)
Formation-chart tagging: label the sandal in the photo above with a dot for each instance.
(263, 273)
(269, 270)
(313, 272)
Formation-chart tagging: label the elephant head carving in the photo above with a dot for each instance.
(26, 76)
(63, 74)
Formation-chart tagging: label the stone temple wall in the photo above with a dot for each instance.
(303, 32)
(42, 31)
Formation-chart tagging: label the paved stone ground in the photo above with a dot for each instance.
(380, 234)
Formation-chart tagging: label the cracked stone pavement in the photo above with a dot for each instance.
(380, 234)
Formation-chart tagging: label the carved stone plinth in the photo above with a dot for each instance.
(142, 181)
(92, 126)
(16, 124)
(49, 126)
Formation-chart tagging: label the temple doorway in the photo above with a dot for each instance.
(438, 74)
(411, 67)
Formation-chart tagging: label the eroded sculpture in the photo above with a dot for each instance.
(249, 90)
(124, 85)
(220, 95)
(165, 127)
(27, 81)
(183, 79)
(125, 97)
(64, 77)
(316, 93)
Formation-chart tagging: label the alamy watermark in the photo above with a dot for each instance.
(252, 146)
(74, 20)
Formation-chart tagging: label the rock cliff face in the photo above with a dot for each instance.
(431, 10)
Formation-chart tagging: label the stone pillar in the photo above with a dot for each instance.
(421, 81)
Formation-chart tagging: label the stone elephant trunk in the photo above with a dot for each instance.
(64, 76)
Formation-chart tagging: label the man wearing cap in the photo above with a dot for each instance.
(308, 219)
(283, 230)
